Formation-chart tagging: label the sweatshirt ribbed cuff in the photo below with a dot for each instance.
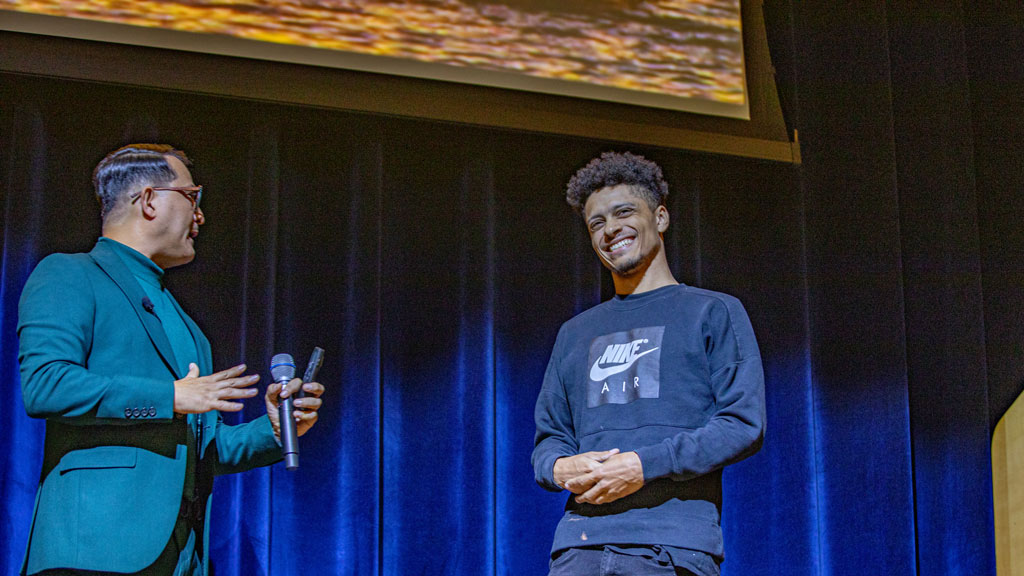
(546, 471)
(656, 460)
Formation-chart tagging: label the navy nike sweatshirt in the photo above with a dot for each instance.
(673, 374)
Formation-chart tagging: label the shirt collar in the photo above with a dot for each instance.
(144, 269)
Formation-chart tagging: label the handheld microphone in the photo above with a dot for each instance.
(282, 369)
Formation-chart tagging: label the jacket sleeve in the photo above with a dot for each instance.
(736, 429)
(55, 330)
(555, 435)
(245, 446)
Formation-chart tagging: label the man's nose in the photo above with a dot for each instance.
(197, 216)
(612, 228)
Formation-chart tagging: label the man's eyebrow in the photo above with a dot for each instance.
(613, 208)
(618, 205)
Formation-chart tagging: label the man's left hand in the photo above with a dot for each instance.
(618, 476)
(305, 412)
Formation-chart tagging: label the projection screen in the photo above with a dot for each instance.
(684, 55)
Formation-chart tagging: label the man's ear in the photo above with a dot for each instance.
(147, 205)
(661, 216)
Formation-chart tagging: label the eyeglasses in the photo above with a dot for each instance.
(193, 193)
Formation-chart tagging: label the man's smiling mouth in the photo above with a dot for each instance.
(620, 244)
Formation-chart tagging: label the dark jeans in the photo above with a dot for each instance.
(608, 561)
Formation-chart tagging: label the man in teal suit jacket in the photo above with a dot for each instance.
(125, 382)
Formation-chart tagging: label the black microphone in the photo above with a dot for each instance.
(282, 369)
(316, 359)
(147, 304)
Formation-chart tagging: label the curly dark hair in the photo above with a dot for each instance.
(612, 169)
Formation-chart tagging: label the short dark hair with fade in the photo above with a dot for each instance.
(129, 167)
(613, 169)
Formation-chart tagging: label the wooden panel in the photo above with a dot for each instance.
(1008, 490)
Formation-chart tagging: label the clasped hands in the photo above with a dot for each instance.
(600, 477)
(222, 391)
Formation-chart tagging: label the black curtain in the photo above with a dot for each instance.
(435, 262)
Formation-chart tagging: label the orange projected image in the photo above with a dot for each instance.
(688, 49)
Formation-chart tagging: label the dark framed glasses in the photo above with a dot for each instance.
(193, 193)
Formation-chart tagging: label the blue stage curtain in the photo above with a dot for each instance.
(434, 263)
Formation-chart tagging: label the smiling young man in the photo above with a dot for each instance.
(646, 397)
(124, 379)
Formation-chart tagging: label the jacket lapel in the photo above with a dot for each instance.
(112, 265)
(203, 358)
(206, 419)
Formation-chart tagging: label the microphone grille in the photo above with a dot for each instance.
(282, 366)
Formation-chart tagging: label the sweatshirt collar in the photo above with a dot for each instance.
(630, 301)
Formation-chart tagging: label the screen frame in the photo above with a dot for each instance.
(122, 54)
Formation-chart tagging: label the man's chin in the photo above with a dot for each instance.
(635, 266)
(625, 269)
(183, 259)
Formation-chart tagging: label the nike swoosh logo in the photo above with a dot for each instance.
(598, 374)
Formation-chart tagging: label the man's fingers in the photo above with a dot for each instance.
(225, 406)
(193, 370)
(308, 403)
(590, 496)
(292, 388)
(306, 421)
(228, 373)
(301, 416)
(231, 393)
(599, 493)
(582, 483)
(243, 382)
(313, 388)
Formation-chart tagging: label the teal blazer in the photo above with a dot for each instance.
(99, 368)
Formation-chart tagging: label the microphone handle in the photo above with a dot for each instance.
(289, 433)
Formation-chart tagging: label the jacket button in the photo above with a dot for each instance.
(136, 413)
(127, 412)
(152, 412)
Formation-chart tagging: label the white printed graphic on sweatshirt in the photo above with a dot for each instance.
(625, 366)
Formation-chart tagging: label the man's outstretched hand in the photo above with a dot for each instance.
(196, 394)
